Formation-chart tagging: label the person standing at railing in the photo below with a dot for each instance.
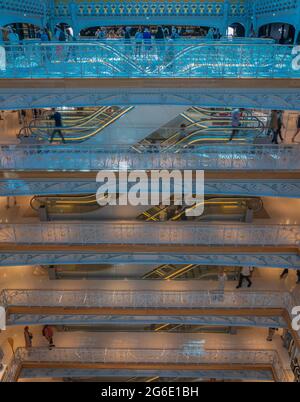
(245, 274)
(28, 337)
(101, 34)
(236, 116)
(127, 40)
(210, 33)
(147, 37)
(160, 41)
(47, 333)
(12, 36)
(174, 34)
(56, 116)
(138, 42)
(216, 34)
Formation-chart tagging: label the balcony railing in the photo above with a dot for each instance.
(147, 299)
(182, 59)
(150, 233)
(121, 157)
(189, 355)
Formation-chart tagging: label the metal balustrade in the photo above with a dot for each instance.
(183, 356)
(146, 299)
(150, 233)
(170, 59)
(121, 157)
(32, 7)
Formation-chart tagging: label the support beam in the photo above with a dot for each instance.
(247, 93)
(276, 257)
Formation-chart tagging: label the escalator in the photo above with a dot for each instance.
(191, 271)
(75, 207)
(78, 125)
(205, 127)
(185, 272)
(65, 204)
(139, 327)
(233, 209)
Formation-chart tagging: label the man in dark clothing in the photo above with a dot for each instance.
(285, 273)
(56, 116)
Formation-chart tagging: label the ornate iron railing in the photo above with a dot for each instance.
(148, 356)
(32, 7)
(116, 59)
(151, 233)
(264, 7)
(120, 157)
(146, 299)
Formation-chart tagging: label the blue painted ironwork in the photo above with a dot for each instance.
(256, 97)
(116, 59)
(90, 319)
(234, 258)
(147, 299)
(147, 356)
(151, 233)
(34, 7)
(141, 375)
(12, 186)
(119, 157)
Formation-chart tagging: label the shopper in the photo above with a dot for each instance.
(101, 34)
(12, 36)
(298, 129)
(174, 34)
(245, 274)
(276, 125)
(56, 116)
(236, 116)
(285, 273)
(138, 42)
(44, 36)
(23, 117)
(182, 132)
(147, 37)
(48, 334)
(59, 34)
(160, 41)
(271, 334)
(28, 337)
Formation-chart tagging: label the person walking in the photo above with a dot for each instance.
(56, 116)
(48, 334)
(285, 273)
(245, 274)
(298, 129)
(271, 334)
(28, 337)
(236, 116)
(182, 132)
(276, 125)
